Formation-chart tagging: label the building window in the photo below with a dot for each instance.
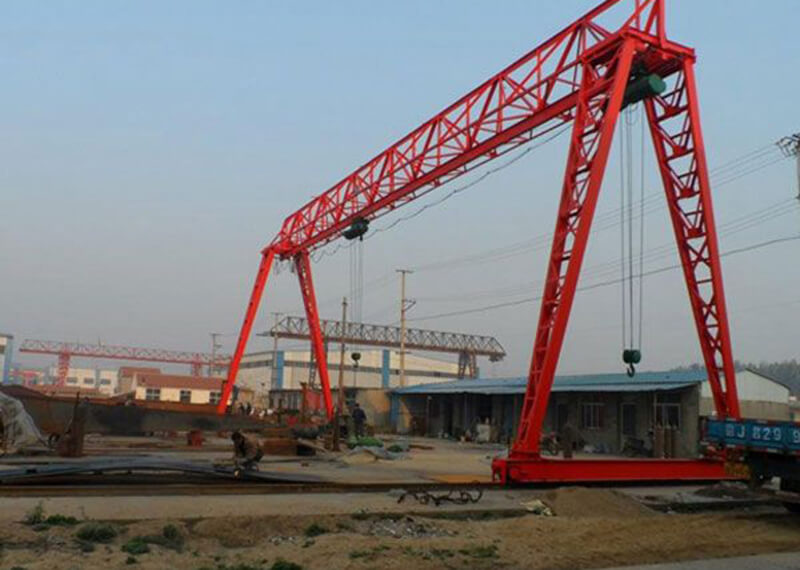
(152, 394)
(105, 382)
(186, 396)
(72, 380)
(88, 380)
(214, 397)
(591, 415)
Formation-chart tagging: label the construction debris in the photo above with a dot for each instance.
(458, 497)
(17, 428)
(537, 507)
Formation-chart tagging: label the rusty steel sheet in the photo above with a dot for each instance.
(132, 466)
(52, 414)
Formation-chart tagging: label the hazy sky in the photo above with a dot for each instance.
(150, 149)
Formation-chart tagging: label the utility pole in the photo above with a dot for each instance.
(214, 346)
(274, 370)
(405, 304)
(790, 146)
(341, 403)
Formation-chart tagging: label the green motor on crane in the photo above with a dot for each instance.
(642, 88)
(357, 229)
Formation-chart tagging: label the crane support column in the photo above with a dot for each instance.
(303, 266)
(599, 104)
(267, 257)
(674, 120)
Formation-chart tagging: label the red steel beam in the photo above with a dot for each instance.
(541, 470)
(493, 118)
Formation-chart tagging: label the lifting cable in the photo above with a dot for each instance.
(631, 355)
(356, 305)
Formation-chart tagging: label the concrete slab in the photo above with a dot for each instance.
(210, 506)
(782, 561)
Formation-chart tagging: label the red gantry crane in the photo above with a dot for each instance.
(616, 55)
(66, 350)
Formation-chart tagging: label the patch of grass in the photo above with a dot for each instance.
(489, 551)
(131, 560)
(360, 516)
(442, 553)
(170, 537)
(315, 529)
(281, 564)
(35, 515)
(97, 532)
(84, 545)
(136, 545)
(345, 526)
(60, 520)
(369, 554)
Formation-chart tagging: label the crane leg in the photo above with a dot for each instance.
(303, 265)
(267, 257)
(596, 115)
(674, 121)
(63, 368)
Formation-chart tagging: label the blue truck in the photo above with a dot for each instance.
(760, 450)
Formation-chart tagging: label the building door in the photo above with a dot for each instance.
(628, 420)
(562, 415)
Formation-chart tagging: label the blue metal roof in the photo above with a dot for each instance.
(642, 382)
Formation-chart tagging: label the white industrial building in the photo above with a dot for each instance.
(268, 371)
(6, 347)
(104, 381)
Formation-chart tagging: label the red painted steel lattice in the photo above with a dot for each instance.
(578, 76)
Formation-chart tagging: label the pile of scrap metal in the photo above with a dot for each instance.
(107, 416)
(17, 429)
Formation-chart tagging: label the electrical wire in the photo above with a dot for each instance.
(656, 271)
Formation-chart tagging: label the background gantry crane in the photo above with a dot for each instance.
(67, 350)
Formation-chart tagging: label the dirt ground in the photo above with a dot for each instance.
(592, 528)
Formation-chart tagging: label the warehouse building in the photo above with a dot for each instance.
(606, 409)
(158, 387)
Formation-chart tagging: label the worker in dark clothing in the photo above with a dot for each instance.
(246, 451)
(359, 419)
(567, 439)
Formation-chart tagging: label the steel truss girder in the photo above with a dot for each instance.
(538, 91)
(389, 336)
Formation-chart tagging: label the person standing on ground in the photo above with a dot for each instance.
(359, 419)
(567, 439)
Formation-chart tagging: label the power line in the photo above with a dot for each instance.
(602, 283)
(734, 226)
